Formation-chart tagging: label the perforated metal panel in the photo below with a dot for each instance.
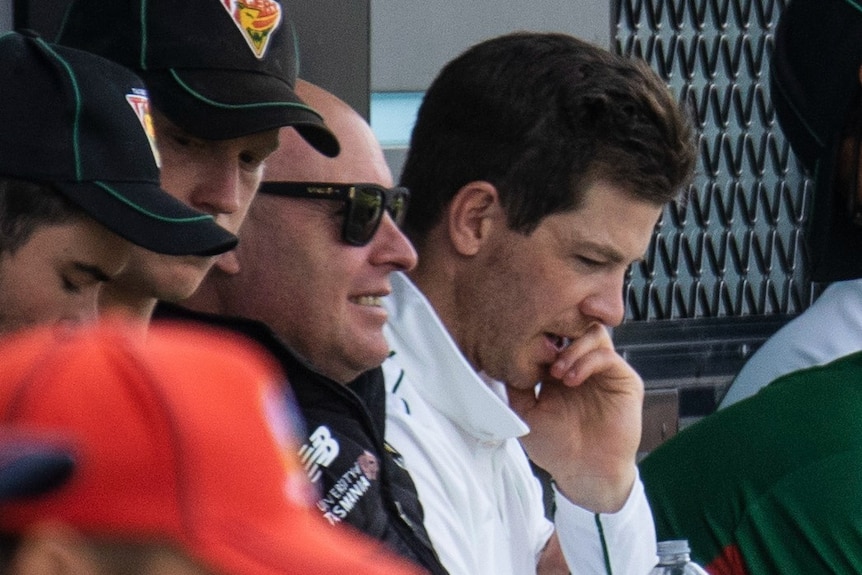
(735, 248)
(728, 266)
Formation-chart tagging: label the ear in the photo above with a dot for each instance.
(473, 212)
(54, 550)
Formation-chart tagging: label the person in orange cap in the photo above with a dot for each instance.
(160, 483)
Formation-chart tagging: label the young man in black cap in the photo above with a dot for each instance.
(79, 180)
(771, 484)
(221, 75)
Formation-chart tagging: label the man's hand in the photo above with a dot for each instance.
(585, 422)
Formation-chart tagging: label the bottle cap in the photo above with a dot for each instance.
(673, 547)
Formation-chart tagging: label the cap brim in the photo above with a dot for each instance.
(29, 468)
(148, 216)
(834, 241)
(225, 104)
(305, 543)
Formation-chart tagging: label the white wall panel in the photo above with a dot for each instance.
(412, 39)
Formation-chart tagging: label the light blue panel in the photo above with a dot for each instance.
(393, 115)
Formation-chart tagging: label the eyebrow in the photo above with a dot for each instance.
(95, 271)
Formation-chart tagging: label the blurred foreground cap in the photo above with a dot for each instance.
(32, 465)
(181, 436)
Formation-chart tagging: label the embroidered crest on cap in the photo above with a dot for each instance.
(256, 19)
(140, 104)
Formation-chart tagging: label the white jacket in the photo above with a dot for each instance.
(483, 505)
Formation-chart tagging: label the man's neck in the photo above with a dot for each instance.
(135, 307)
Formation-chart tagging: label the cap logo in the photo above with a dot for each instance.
(140, 104)
(256, 20)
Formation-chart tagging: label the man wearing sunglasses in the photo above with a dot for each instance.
(315, 255)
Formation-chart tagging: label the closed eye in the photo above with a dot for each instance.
(591, 262)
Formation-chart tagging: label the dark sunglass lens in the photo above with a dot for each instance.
(364, 215)
(397, 207)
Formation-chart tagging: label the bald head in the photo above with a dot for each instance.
(360, 161)
(293, 271)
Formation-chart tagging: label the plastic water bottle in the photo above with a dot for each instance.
(673, 559)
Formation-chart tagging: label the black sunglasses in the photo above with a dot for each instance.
(366, 204)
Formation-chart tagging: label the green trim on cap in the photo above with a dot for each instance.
(78, 105)
(136, 207)
(854, 4)
(213, 103)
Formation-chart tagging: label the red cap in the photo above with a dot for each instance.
(183, 437)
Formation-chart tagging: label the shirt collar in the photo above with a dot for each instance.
(448, 382)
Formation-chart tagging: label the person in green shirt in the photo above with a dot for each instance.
(772, 484)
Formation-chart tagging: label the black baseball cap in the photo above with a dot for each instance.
(218, 69)
(81, 123)
(814, 84)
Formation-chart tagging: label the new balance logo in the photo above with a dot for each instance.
(320, 450)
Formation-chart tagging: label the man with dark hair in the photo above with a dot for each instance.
(221, 75)
(538, 167)
(772, 483)
(79, 180)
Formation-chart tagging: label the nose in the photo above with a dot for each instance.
(216, 189)
(391, 247)
(605, 302)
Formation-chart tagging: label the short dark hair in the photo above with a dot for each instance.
(27, 205)
(542, 116)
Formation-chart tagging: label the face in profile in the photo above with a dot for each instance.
(57, 275)
(320, 294)
(217, 177)
(524, 296)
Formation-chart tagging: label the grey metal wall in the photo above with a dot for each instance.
(334, 38)
(728, 267)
